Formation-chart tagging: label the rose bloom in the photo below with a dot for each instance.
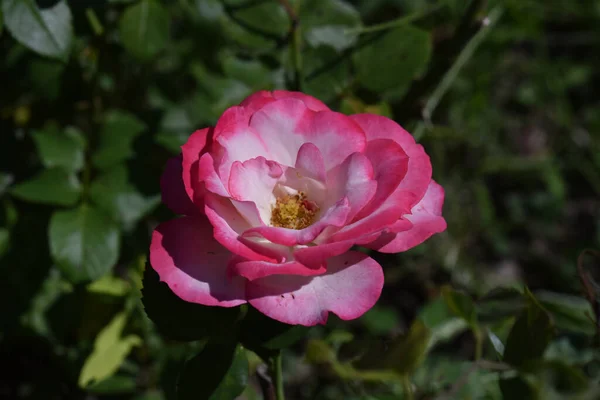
(274, 197)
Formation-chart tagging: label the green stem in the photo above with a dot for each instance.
(94, 22)
(460, 62)
(277, 375)
(297, 60)
(295, 42)
(395, 23)
(407, 386)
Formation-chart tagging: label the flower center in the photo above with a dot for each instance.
(293, 211)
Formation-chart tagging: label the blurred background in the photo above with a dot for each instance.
(503, 94)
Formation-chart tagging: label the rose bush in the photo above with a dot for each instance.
(274, 197)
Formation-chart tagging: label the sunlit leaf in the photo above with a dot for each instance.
(329, 22)
(84, 242)
(54, 186)
(110, 285)
(60, 148)
(48, 32)
(110, 350)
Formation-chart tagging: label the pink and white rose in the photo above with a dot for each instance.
(274, 197)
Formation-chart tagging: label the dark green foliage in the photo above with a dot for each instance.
(97, 95)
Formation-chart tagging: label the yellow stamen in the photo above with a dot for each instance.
(293, 212)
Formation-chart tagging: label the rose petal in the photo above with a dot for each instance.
(390, 165)
(191, 152)
(311, 102)
(257, 100)
(310, 163)
(208, 175)
(228, 224)
(173, 190)
(351, 286)
(286, 124)
(254, 181)
(425, 219)
(352, 179)
(186, 257)
(234, 140)
(418, 173)
(316, 256)
(252, 270)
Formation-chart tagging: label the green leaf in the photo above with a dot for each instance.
(251, 72)
(222, 368)
(150, 395)
(109, 285)
(116, 139)
(519, 387)
(461, 305)
(500, 303)
(256, 25)
(54, 186)
(570, 313)
(179, 320)
(329, 23)
(264, 335)
(441, 321)
(440, 372)
(84, 243)
(112, 192)
(529, 336)
(48, 32)
(210, 10)
(144, 29)
(45, 76)
(117, 384)
(224, 92)
(328, 75)
(564, 378)
(380, 320)
(60, 148)
(110, 350)
(391, 60)
(5, 181)
(408, 351)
